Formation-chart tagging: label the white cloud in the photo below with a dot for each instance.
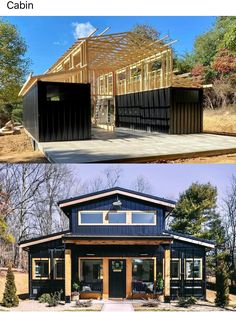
(82, 30)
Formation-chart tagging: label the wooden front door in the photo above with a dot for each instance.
(117, 278)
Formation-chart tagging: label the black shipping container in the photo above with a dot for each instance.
(168, 110)
(58, 111)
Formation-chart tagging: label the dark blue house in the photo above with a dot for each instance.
(117, 246)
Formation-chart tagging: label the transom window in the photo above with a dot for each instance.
(91, 218)
(41, 268)
(111, 217)
(117, 217)
(143, 217)
(193, 268)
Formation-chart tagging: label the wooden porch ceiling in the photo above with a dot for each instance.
(118, 241)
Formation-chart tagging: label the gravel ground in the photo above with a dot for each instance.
(34, 306)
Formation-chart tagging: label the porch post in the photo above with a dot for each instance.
(105, 278)
(167, 275)
(128, 277)
(67, 275)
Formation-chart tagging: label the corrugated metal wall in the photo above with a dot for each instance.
(169, 110)
(30, 112)
(58, 111)
(186, 111)
(148, 110)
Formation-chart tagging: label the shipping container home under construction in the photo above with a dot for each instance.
(169, 110)
(58, 111)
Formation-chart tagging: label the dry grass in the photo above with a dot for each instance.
(220, 120)
(21, 280)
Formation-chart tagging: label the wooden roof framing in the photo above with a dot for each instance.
(103, 53)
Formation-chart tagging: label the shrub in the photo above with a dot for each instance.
(222, 285)
(44, 298)
(151, 303)
(186, 302)
(10, 298)
(54, 298)
(83, 304)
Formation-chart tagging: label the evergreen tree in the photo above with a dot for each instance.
(222, 283)
(10, 298)
(195, 210)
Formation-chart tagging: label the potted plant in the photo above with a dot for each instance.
(160, 284)
(75, 293)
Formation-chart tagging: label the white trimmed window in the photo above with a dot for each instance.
(40, 268)
(110, 217)
(59, 268)
(175, 268)
(193, 268)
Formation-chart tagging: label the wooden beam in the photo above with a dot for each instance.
(117, 241)
(105, 278)
(167, 273)
(68, 274)
(128, 277)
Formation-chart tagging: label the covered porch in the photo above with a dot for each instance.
(128, 267)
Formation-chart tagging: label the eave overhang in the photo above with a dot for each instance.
(168, 204)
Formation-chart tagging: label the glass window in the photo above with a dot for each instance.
(117, 217)
(143, 270)
(175, 268)
(91, 217)
(91, 271)
(41, 268)
(193, 269)
(59, 268)
(143, 217)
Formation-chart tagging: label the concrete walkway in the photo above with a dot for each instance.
(136, 146)
(117, 307)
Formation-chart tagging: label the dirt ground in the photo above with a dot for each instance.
(17, 148)
(21, 280)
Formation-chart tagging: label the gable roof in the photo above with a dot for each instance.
(169, 204)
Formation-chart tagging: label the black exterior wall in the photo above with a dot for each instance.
(168, 110)
(179, 249)
(56, 111)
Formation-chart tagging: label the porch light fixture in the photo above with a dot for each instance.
(90, 254)
(116, 204)
(143, 254)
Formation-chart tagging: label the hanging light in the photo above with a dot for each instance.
(116, 204)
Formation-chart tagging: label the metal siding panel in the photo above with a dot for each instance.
(67, 119)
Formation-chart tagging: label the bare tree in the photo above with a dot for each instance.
(142, 185)
(112, 176)
(34, 190)
(230, 219)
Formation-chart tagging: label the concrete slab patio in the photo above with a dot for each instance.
(118, 307)
(124, 145)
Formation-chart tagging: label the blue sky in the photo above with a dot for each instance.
(166, 180)
(49, 37)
